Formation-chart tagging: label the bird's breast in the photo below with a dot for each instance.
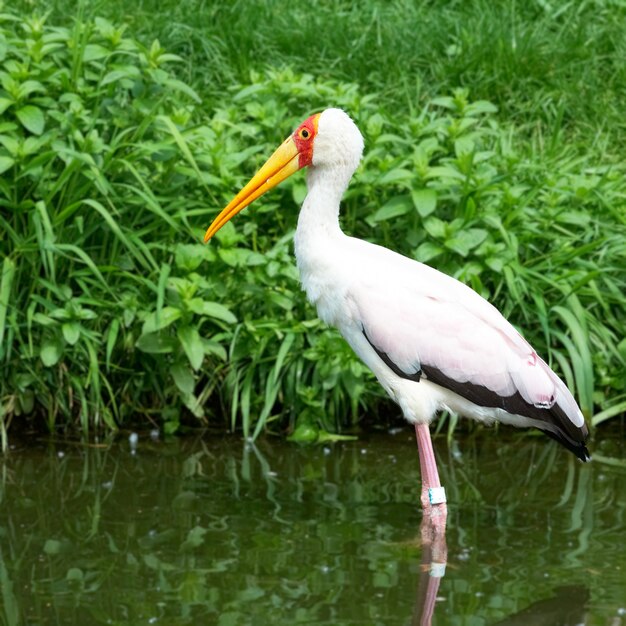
(328, 294)
(325, 278)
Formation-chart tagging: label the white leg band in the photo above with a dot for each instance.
(437, 495)
(437, 570)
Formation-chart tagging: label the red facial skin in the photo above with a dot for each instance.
(304, 137)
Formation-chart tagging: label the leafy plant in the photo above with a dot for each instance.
(112, 166)
(92, 162)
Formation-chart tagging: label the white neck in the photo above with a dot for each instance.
(318, 240)
(319, 215)
(336, 154)
(322, 250)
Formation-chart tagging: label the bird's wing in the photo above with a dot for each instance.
(423, 322)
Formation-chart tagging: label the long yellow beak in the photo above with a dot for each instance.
(282, 164)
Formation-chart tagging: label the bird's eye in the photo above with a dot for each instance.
(304, 133)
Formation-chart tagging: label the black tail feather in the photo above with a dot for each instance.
(577, 447)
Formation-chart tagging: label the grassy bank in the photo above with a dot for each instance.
(493, 138)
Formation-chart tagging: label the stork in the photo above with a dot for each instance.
(432, 342)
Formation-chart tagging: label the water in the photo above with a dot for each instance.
(209, 531)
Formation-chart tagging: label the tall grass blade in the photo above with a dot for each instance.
(612, 411)
(6, 282)
(272, 386)
(580, 354)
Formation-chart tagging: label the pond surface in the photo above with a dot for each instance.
(212, 531)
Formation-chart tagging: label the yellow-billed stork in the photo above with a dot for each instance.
(433, 343)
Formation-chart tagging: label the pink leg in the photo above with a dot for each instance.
(431, 486)
(433, 530)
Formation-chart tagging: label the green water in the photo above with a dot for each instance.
(209, 531)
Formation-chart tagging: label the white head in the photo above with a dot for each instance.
(329, 142)
(338, 142)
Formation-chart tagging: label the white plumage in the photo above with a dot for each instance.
(432, 342)
(384, 302)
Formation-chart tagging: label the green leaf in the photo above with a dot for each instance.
(241, 257)
(394, 176)
(213, 347)
(250, 594)
(5, 163)
(396, 206)
(464, 146)
(435, 227)
(189, 338)
(189, 256)
(428, 251)
(156, 343)
(324, 436)
(12, 145)
(495, 263)
(480, 106)
(71, 332)
(285, 302)
(171, 427)
(5, 103)
(466, 240)
(445, 172)
(27, 401)
(183, 377)
(298, 192)
(425, 201)
(29, 87)
(212, 309)
(74, 575)
(179, 85)
(51, 351)
(195, 538)
(444, 101)
(60, 314)
(86, 314)
(159, 320)
(152, 561)
(248, 91)
(44, 320)
(94, 51)
(128, 71)
(111, 339)
(32, 118)
(304, 433)
(6, 282)
(52, 547)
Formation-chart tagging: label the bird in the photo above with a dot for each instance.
(433, 343)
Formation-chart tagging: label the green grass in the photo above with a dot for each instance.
(494, 135)
(549, 67)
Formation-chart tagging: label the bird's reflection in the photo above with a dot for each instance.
(433, 565)
(567, 607)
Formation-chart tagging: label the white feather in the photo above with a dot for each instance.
(408, 310)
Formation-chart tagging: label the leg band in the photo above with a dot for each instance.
(437, 495)
(437, 570)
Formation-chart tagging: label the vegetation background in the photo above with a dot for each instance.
(494, 140)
